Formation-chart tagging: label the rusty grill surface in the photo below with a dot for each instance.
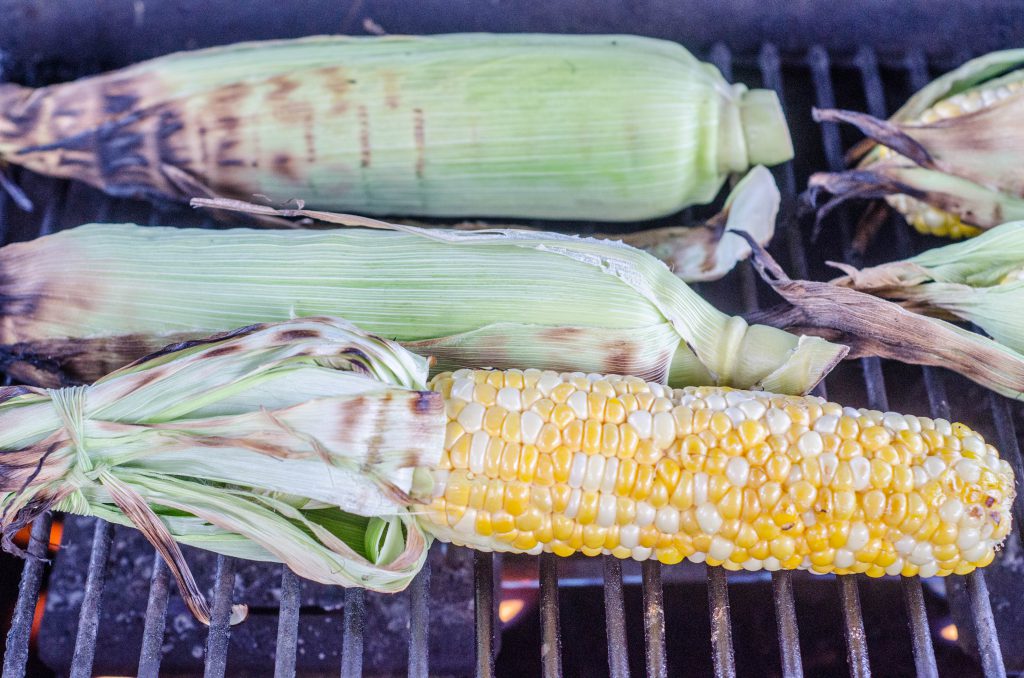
(864, 83)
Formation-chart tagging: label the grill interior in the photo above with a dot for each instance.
(634, 596)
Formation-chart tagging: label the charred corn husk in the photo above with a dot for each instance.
(614, 128)
(565, 463)
(948, 160)
(294, 443)
(980, 281)
(85, 301)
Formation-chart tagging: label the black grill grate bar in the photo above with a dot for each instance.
(984, 626)
(615, 619)
(89, 615)
(853, 623)
(550, 629)
(16, 651)
(419, 624)
(483, 593)
(156, 619)
(220, 616)
(721, 627)
(920, 634)
(785, 619)
(352, 634)
(654, 618)
(853, 620)
(782, 582)
(287, 624)
(723, 657)
(913, 596)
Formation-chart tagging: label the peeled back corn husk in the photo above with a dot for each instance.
(271, 441)
(614, 128)
(979, 281)
(84, 301)
(950, 158)
(292, 443)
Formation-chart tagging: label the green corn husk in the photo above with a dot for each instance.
(85, 301)
(706, 251)
(980, 281)
(292, 443)
(950, 170)
(614, 128)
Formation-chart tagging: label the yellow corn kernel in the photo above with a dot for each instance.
(528, 459)
(589, 503)
(644, 482)
(591, 436)
(510, 461)
(625, 478)
(572, 435)
(517, 497)
(562, 527)
(610, 440)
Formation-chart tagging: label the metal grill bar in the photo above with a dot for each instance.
(920, 634)
(220, 616)
(483, 592)
(615, 619)
(551, 636)
(782, 582)
(721, 628)
(16, 651)
(419, 624)
(89, 616)
(984, 626)
(156, 620)
(853, 622)
(287, 624)
(913, 595)
(352, 635)
(785, 619)
(654, 618)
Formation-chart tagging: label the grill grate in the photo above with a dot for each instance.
(970, 592)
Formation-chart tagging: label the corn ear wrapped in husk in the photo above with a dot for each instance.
(615, 128)
(950, 158)
(979, 281)
(89, 299)
(292, 443)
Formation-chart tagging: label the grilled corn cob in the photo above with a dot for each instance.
(93, 298)
(922, 216)
(565, 463)
(615, 128)
(949, 159)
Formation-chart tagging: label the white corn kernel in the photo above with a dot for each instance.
(530, 424)
(715, 402)
(642, 422)
(462, 389)
(667, 520)
(826, 424)
(645, 514)
(934, 466)
(664, 430)
(573, 505)
(860, 467)
(606, 510)
(737, 471)
(478, 451)
(708, 517)
(810, 444)
(752, 409)
(641, 553)
(951, 510)
(509, 399)
(594, 475)
(578, 402)
(969, 470)
(629, 536)
(700, 487)
(472, 417)
(611, 470)
(578, 470)
(778, 421)
(721, 548)
(858, 537)
(828, 463)
(844, 558)
(921, 554)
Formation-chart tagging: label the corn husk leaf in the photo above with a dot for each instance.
(100, 295)
(968, 165)
(980, 281)
(293, 442)
(702, 252)
(875, 327)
